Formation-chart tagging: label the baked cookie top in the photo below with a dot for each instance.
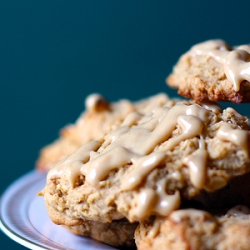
(215, 71)
(149, 163)
(99, 117)
(196, 229)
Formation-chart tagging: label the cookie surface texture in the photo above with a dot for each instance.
(196, 229)
(149, 164)
(99, 118)
(213, 71)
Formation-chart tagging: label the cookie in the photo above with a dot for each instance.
(99, 118)
(213, 71)
(149, 165)
(116, 233)
(196, 229)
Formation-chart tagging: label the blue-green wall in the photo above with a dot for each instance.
(55, 53)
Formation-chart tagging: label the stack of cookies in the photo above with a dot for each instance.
(160, 172)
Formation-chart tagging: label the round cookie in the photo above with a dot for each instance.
(149, 165)
(196, 229)
(213, 71)
(99, 118)
(117, 233)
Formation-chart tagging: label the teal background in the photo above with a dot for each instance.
(55, 53)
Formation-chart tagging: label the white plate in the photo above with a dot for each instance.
(24, 219)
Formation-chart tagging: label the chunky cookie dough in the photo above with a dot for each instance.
(149, 164)
(214, 71)
(99, 118)
(196, 229)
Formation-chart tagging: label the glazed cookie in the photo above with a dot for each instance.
(213, 71)
(196, 229)
(99, 118)
(149, 164)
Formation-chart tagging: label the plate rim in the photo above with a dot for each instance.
(8, 225)
(17, 204)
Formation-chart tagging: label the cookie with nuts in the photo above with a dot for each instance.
(213, 71)
(148, 166)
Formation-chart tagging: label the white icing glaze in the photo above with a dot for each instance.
(70, 165)
(154, 202)
(141, 168)
(196, 163)
(234, 60)
(134, 144)
(182, 214)
(211, 106)
(236, 136)
(98, 168)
